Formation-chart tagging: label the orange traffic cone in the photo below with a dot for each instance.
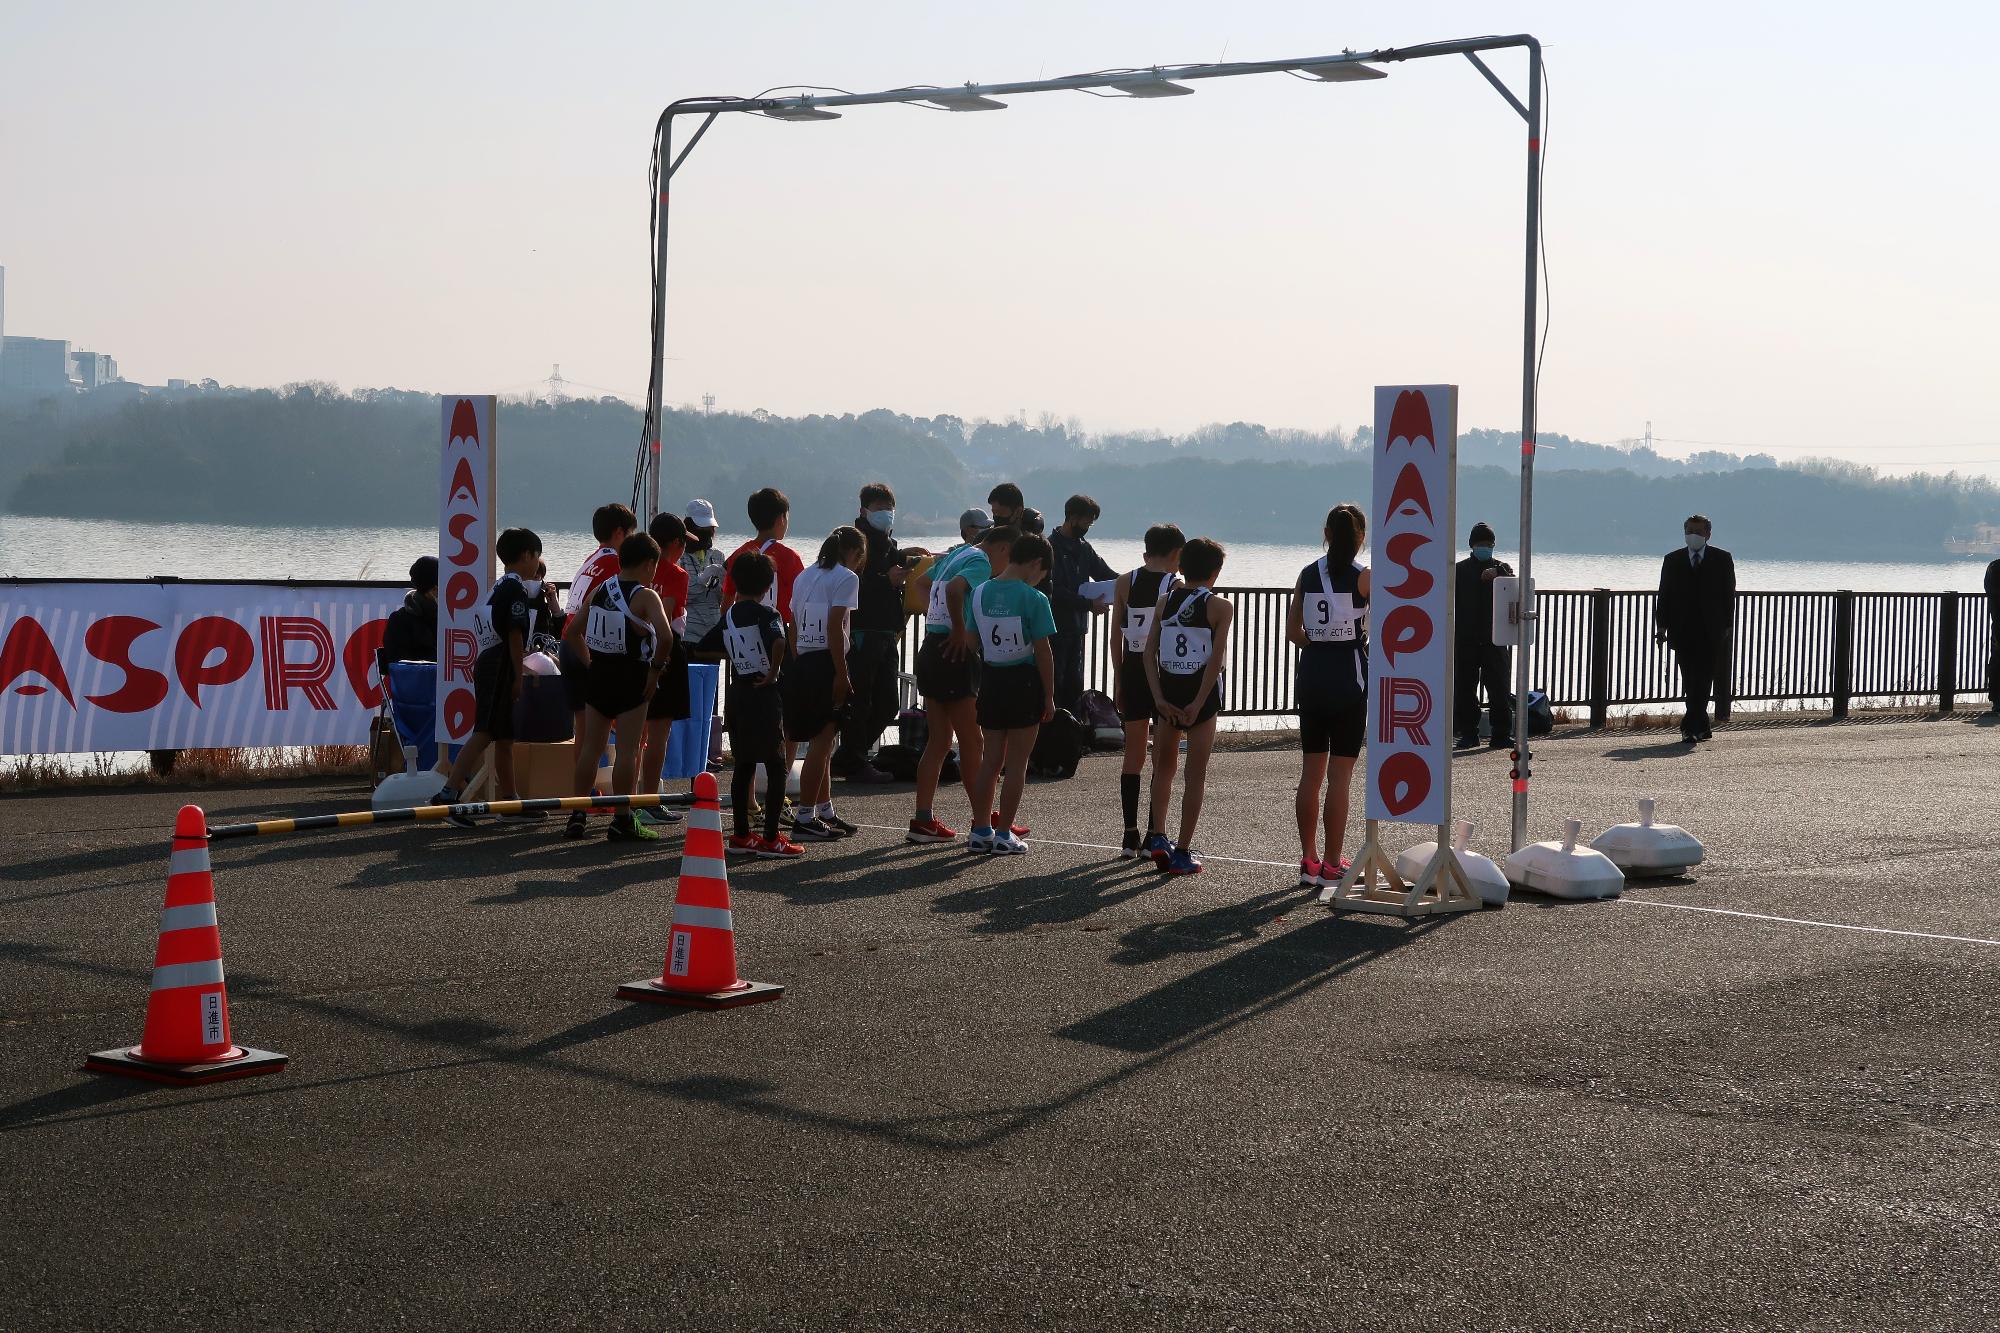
(187, 1014)
(701, 947)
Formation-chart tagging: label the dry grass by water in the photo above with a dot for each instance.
(193, 768)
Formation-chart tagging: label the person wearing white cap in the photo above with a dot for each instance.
(703, 564)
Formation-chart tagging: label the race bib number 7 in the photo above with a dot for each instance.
(1138, 619)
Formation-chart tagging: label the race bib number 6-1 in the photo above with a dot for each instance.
(1005, 641)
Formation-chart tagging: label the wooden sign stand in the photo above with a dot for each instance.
(1371, 883)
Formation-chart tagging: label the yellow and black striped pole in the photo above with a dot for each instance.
(426, 814)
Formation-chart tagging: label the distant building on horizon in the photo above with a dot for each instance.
(37, 365)
(93, 370)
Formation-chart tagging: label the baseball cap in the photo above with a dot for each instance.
(701, 513)
(424, 572)
(975, 518)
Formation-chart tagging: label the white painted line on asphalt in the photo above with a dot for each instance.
(1801, 921)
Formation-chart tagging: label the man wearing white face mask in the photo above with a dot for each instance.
(1694, 615)
(876, 631)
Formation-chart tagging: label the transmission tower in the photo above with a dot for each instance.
(708, 404)
(558, 386)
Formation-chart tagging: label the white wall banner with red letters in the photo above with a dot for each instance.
(164, 665)
(1410, 537)
(469, 503)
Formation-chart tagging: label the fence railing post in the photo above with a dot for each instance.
(1843, 652)
(1947, 689)
(1600, 658)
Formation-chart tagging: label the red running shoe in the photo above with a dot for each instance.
(929, 830)
(779, 848)
(1018, 830)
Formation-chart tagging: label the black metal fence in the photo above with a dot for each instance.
(1595, 650)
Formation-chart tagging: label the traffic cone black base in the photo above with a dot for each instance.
(125, 1060)
(648, 990)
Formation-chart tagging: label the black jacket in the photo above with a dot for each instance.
(1076, 562)
(1993, 582)
(1475, 601)
(881, 603)
(412, 632)
(1697, 603)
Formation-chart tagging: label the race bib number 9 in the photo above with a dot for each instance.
(1184, 649)
(1331, 618)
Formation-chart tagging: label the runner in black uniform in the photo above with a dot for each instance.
(1328, 620)
(1185, 651)
(624, 641)
(1133, 602)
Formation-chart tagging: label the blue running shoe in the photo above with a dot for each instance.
(1158, 848)
(1183, 863)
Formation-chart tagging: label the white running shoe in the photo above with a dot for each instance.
(976, 841)
(1006, 844)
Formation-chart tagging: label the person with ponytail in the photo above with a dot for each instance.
(824, 597)
(1328, 622)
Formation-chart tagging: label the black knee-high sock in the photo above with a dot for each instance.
(775, 774)
(742, 783)
(1128, 796)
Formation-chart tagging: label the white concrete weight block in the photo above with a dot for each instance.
(1647, 850)
(412, 786)
(1485, 877)
(1565, 870)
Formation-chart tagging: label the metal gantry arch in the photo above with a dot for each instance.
(1150, 82)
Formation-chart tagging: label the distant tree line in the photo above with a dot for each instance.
(310, 454)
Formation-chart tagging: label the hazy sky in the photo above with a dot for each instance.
(1769, 226)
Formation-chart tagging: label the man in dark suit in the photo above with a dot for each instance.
(1694, 615)
(1480, 661)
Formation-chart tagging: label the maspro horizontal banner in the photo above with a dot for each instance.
(167, 666)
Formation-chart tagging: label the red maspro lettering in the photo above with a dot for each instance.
(1405, 706)
(29, 652)
(197, 641)
(282, 676)
(358, 659)
(1404, 780)
(110, 641)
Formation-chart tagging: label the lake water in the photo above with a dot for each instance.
(59, 548)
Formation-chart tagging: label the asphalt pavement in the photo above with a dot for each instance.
(1048, 1091)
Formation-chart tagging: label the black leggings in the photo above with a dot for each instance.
(743, 781)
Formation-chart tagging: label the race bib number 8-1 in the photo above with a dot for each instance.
(1184, 649)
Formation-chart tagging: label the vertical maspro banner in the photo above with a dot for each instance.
(1410, 603)
(468, 481)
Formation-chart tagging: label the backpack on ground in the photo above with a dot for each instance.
(1095, 709)
(1060, 746)
(1541, 717)
(898, 761)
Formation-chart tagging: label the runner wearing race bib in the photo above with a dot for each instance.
(1013, 624)
(624, 639)
(1328, 621)
(504, 628)
(751, 638)
(816, 688)
(1133, 603)
(1185, 651)
(771, 514)
(948, 670)
(670, 702)
(611, 525)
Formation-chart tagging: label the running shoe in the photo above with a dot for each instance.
(660, 815)
(1331, 871)
(629, 830)
(741, 842)
(1158, 848)
(779, 848)
(579, 824)
(1007, 844)
(979, 840)
(841, 826)
(1182, 862)
(1130, 847)
(929, 830)
(1018, 830)
(446, 796)
(812, 830)
(1309, 873)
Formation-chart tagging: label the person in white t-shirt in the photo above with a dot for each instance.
(824, 597)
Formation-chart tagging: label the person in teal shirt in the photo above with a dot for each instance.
(948, 676)
(1013, 623)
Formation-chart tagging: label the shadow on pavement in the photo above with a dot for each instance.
(1051, 899)
(1662, 750)
(1216, 928)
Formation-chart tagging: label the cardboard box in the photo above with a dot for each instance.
(549, 769)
